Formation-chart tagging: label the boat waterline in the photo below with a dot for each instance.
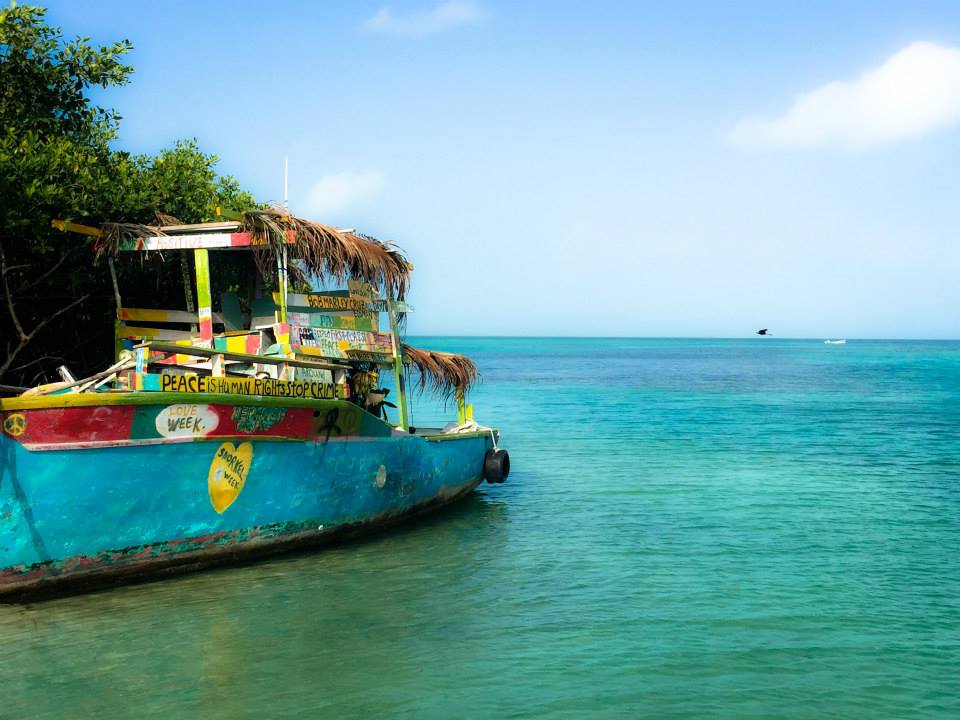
(155, 486)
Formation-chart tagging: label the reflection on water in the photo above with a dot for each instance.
(322, 624)
(692, 528)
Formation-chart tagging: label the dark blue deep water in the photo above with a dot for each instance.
(693, 528)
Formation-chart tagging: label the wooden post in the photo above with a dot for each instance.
(117, 340)
(142, 364)
(398, 364)
(461, 407)
(204, 311)
(282, 279)
(282, 328)
(187, 285)
(116, 285)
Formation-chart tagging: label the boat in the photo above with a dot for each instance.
(232, 429)
(834, 342)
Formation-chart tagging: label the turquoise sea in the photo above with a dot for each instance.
(753, 528)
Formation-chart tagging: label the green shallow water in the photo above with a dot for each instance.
(741, 529)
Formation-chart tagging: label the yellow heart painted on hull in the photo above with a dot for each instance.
(228, 473)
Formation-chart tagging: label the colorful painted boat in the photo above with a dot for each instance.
(219, 446)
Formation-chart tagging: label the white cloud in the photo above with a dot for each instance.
(333, 193)
(446, 15)
(915, 91)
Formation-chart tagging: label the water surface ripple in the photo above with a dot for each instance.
(732, 529)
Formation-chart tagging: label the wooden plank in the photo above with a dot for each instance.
(134, 331)
(360, 289)
(157, 315)
(337, 342)
(325, 320)
(248, 343)
(74, 227)
(210, 241)
(398, 306)
(161, 347)
(223, 225)
(232, 313)
(263, 313)
(253, 387)
(367, 356)
(324, 301)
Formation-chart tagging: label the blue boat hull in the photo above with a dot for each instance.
(76, 518)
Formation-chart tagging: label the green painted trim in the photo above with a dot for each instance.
(201, 264)
(398, 366)
(283, 283)
(446, 437)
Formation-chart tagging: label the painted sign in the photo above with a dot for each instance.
(109, 425)
(202, 240)
(180, 421)
(368, 356)
(255, 419)
(15, 425)
(360, 289)
(336, 343)
(398, 306)
(339, 322)
(326, 302)
(265, 387)
(228, 473)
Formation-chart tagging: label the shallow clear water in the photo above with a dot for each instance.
(741, 529)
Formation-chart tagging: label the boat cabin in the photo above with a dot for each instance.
(268, 328)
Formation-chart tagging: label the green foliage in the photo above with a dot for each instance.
(56, 161)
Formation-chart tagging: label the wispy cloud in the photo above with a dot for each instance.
(446, 15)
(338, 191)
(913, 92)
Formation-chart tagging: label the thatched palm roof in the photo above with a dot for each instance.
(445, 373)
(324, 251)
(332, 253)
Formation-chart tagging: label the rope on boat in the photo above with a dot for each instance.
(472, 426)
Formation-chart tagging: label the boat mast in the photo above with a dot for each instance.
(282, 259)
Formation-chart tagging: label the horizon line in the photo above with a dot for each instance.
(763, 338)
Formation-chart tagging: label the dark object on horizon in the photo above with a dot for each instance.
(764, 331)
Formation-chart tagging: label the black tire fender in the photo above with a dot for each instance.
(496, 466)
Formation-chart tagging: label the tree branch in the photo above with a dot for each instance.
(51, 318)
(25, 338)
(35, 361)
(10, 307)
(48, 273)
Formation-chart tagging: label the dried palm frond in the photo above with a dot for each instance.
(113, 235)
(328, 252)
(446, 374)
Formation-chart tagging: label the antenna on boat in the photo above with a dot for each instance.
(283, 255)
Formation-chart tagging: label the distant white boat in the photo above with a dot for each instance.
(835, 342)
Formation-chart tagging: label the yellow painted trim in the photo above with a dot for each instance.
(74, 227)
(156, 315)
(157, 398)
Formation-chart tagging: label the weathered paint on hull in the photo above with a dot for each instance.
(78, 518)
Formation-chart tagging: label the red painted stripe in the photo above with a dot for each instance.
(246, 239)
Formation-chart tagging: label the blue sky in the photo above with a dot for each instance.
(580, 168)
